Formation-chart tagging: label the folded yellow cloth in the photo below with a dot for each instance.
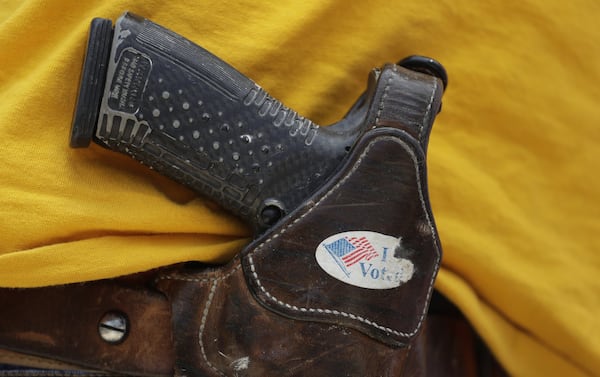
(511, 159)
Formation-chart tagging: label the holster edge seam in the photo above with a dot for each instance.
(428, 109)
(381, 106)
(205, 312)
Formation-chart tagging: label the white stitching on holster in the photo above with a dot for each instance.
(428, 109)
(211, 294)
(315, 205)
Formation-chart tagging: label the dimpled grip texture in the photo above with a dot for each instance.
(182, 111)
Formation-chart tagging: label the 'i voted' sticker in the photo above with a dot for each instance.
(364, 259)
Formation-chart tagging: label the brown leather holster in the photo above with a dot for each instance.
(289, 304)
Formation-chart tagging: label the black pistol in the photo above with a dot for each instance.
(148, 92)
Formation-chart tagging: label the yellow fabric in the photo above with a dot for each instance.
(512, 158)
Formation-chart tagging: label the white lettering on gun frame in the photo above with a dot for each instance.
(364, 259)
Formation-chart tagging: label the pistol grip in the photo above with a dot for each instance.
(182, 111)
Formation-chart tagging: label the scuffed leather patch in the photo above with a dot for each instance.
(381, 189)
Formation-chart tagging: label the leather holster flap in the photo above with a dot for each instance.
(363, 252)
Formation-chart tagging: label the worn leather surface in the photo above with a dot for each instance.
(446, 347)
(61, 323)
(389, 160)
(221, 330)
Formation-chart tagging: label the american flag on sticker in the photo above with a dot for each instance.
(348, 251)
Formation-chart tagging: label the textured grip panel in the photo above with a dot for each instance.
(182, 111)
